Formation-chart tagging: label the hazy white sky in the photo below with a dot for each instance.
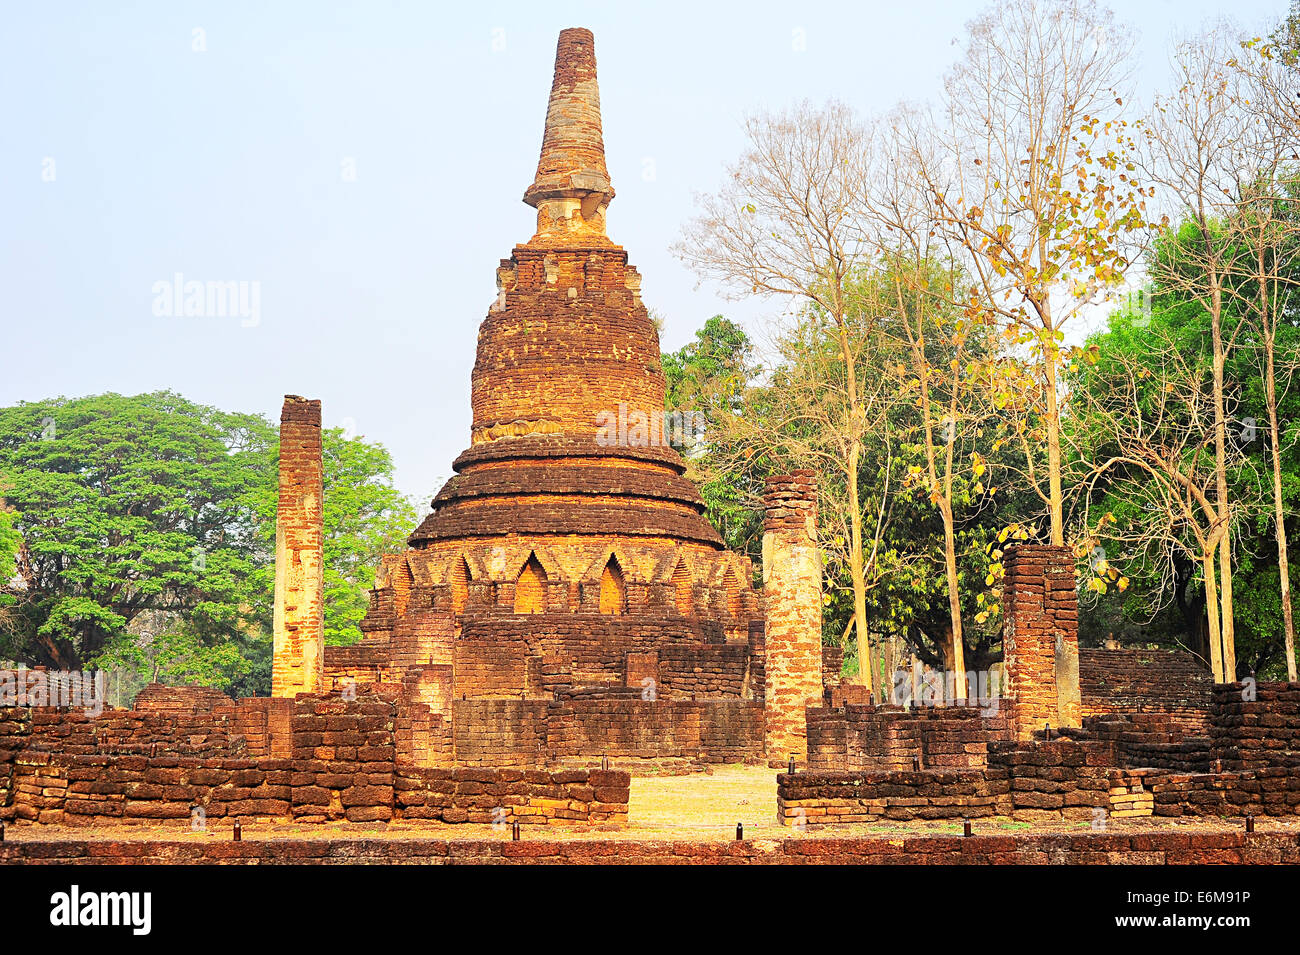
(364, 163)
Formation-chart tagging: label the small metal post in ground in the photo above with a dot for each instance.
(1250, 823)
(514, 832)
(740, 832)
(965, 828)
(239, 832)
(791, 765)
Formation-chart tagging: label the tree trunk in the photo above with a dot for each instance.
(1225, 606)
(1055, 497)
(954, 605)
(1212, 614)
(856, 572)
(1279, 513)
(1221, 486)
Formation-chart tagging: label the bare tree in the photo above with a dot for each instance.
(934, 322)
(788, 222)
(1200, 140)
(1266, 221)
(1036, 183)
(1145, 418)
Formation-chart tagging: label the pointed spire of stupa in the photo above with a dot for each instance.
(571, 174)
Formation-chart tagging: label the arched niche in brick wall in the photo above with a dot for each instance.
(731, 583)
(613, 588)
(402, 581)
(530, 588)
(682, 589)
(459, 584)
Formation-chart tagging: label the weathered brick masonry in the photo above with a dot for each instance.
(568, 565)
(1040, 636)
(650, 736)
(880, 738)
(1047, 781)
(1256, 726)
(1153, 705)
(513, 795)
(1129, 680)
(792, 587)
(299, 663)
(1128, 764)
(1087, 848)
(176, 763)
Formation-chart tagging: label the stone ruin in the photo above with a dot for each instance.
(566, 617)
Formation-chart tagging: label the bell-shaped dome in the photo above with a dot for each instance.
(569, 433)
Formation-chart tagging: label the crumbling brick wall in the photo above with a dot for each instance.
(881, 738)
(1140, 680)
(1256, 726)
(342, 765)
(1036, 781)
(537, 732)
(73, 790)
(68, 789)
(499, 732)
(1040, 637)
(15, 729)
(174, 720)
(176, 732)
(263, 724)
(506, 796)
(160, 698)
(1157, 740)
(344, 752)
(1259, 792)
(494, 654)
(1053, 780)
(819, 798)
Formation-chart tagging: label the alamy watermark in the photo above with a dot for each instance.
(82, 689)
(925, 687)
(630, 428)
(189, 298)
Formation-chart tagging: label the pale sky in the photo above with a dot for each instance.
(363, 163)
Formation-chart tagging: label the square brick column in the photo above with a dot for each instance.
(298, 665)
(1040, 637)
(792, 589)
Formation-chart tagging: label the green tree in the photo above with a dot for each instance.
(364, 517)
(9, 541)
(143, 529)
(710, 377)
(1143, 424)
(127, 505)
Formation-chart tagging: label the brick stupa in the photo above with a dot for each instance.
(566, 351)
(569, 557)
(548, 500)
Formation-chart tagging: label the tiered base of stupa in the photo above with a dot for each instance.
(567, 648)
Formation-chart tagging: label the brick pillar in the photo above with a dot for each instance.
(1040, 637)
(792, 588)
(299, 662)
